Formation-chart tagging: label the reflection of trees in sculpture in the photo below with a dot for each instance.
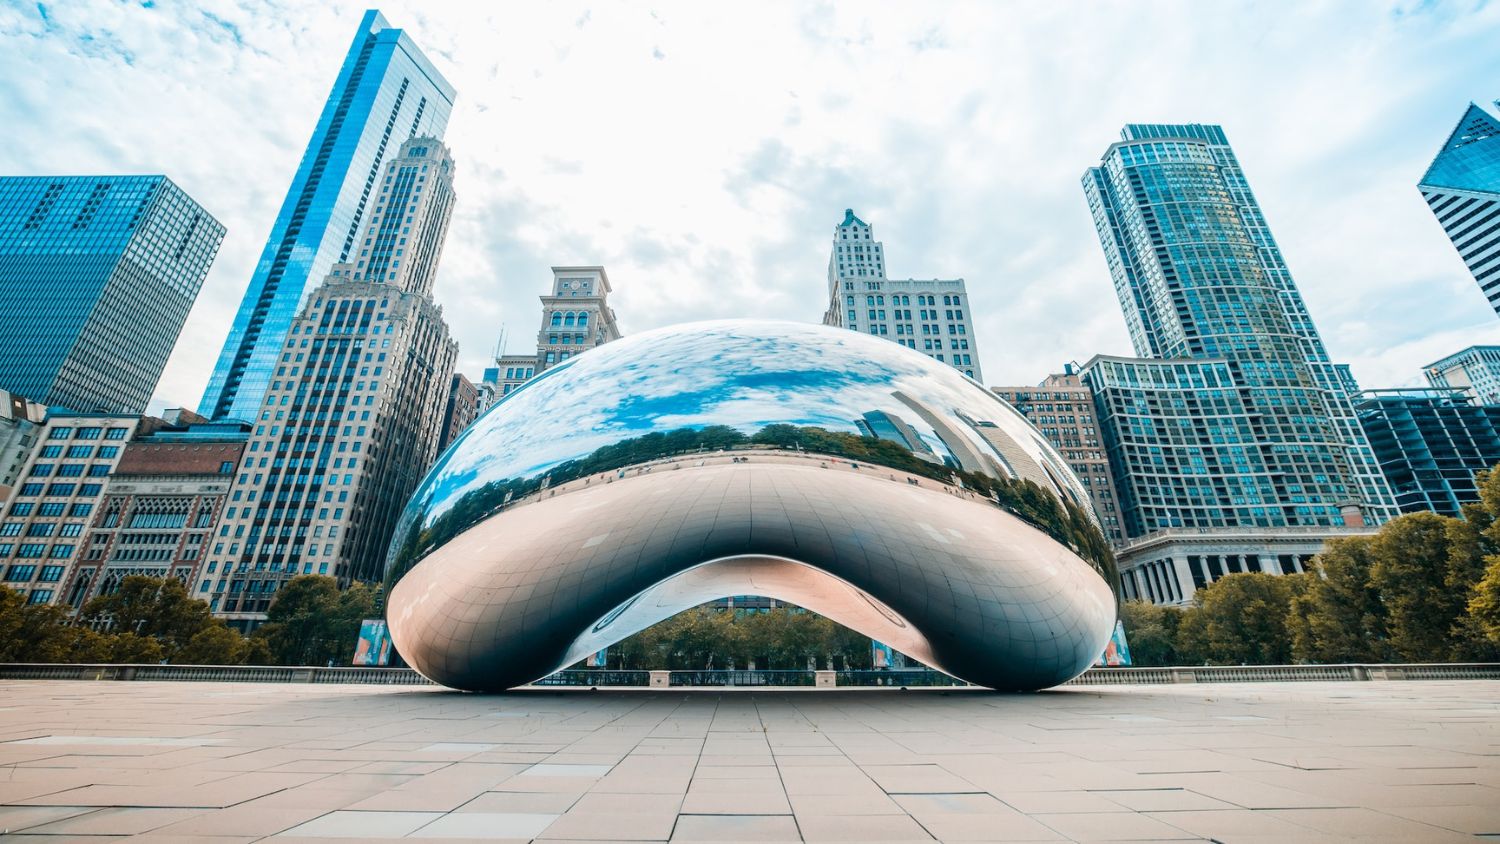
(710, 638)
(1060, 519)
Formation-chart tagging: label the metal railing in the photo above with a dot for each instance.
(743, 678)
(595, 677)
(884, 678)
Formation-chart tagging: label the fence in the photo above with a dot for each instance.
(905, 678)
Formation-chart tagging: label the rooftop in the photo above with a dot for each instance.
(1408, 761)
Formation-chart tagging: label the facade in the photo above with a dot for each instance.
(862, 298)
(355, 409)
(49, 511)
(386, 92)
(97, 275)
(1430, 444)
(801, 463)
(461, 411)
(576, 317)
(159, 508)
(1462, 187)
(1062, 407)
(1168, 566)
(1475, 370)
(1233, 418)
(20, 420)
(508, 373)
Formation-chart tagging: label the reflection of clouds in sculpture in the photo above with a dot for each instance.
(738, 373)
(698, 461)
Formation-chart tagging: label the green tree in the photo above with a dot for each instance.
(1240, 619)
(157, 608)
(1337, 614)
(1410, 570)
(1151, 632)
(32, 632)
(214, 645)
(310, 622)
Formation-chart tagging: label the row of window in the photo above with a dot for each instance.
(31, 490)
(63, 432)
(26, 572)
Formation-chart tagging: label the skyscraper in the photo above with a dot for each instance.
(355, 409)
(861, 298)
(1431, 443)
(1233, 417)
(386, 92)
(97, 275)
(1475, 370)
(1462, 187)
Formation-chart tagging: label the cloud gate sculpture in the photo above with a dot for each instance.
(819, 466)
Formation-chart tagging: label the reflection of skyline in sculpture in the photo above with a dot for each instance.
(885, 426)
(699, 461)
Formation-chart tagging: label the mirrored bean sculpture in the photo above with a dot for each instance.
(822, 467)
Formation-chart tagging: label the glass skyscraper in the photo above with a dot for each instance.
(97, 275)
(1462, 187)
(386, 92)
(1232, 416)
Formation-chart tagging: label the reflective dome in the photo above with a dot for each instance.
(819, 466)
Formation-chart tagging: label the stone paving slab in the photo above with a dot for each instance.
(1313, 762)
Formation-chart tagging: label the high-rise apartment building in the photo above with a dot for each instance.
(1462, 187)
(500, 380)
(576, 317)
(386, 92)
(461, 411)
(354, 411)
(1233, 420)
(50, 509)
(160, 504)
(97, 275)
(923, 314)
(1062, 408)
(20, 420)
(1430, 444)
(1475, 370)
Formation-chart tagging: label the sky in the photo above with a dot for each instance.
(704, 152)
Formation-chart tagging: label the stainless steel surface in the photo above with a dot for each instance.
(820, 466)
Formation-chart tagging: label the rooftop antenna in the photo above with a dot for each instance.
(500, 344)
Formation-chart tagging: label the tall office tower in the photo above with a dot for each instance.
(1462, 187)
(1475, 370)
(20, 420)
(52, 506)
(354, 412)
(1062, 407)
(1431, 443)
(386, 92)
(461, 410)
(160, 504)
(861, 298)
(576, 317)
(1233, 419)
(97, 275)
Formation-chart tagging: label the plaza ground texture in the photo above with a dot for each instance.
(229, 762)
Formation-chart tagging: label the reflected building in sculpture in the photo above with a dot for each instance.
(823, 468)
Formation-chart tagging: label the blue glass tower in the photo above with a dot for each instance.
(1462, 187)
(386, 92)
(1234, 416)
(97, 275)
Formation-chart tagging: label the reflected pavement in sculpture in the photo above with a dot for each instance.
(836, 471)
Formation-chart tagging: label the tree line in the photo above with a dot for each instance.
(708, 638)
(154, 619)
(1424, 588)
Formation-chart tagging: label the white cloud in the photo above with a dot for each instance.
(703, 152)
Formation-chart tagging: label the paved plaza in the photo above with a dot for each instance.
(222, 762)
